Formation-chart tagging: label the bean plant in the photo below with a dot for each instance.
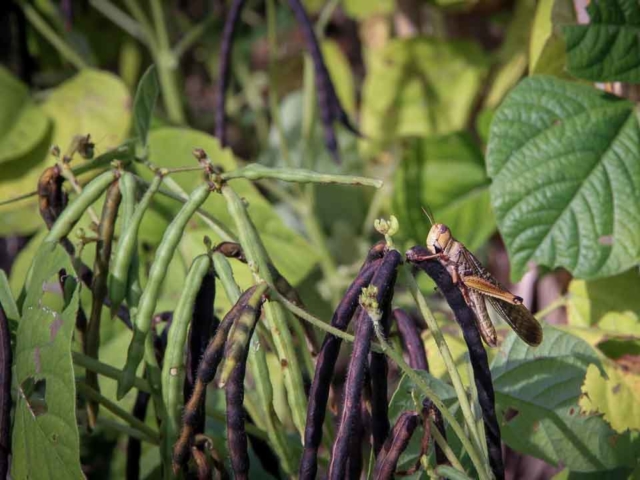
(261, 302)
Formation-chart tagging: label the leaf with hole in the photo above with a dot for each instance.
(565, 163)
(45, 435)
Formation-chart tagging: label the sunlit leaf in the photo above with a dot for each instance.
(547, 46)
(23, 125)
(611, 304)
(45, 434)
(617, 397)
(565, 163)
(419, 87)
(608, 48)
(537, 392)
(145, 103)
(341, 74)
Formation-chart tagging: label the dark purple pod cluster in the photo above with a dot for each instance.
(326, 361)
(396, 443)
(477, 354)
(383, 282)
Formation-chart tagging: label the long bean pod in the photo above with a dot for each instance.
(134, 445)
(149, 298)
(206, 372)
(106, 230)
(477, 354)
(244, 326)
(173, 370)
(275, 314)
(129, 188)
(72, 213)
(382, 283)
(396, 444)
(379, 370)
(128, 244)
(410, 336)
(326, 360)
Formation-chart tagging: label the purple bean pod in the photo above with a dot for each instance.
(224, 67)
(326, 360)
(477, 354)
(396, 444)
(382, 280)
(330, 107)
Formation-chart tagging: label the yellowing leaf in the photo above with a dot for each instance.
(617, 398)
(341, 74)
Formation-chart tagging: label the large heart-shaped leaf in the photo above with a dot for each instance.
(608, 48)
(45, 434)
(538, 390)
(446, 174)
(565, 164)
(418, 87)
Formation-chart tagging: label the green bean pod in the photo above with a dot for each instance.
(164, 254)
(225, 274)
(119, 279)
(72, 213)
(173, 369)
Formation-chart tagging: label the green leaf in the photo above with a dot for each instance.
(172, 147)
(360, 9)
(419, 87)
(447, 175)
(7, 302)
(616, 397)
(145, 103)
(611, 304)
(22, 124)
(45, 434)
(537, 392)
(547, 47)
(608, 48)
(565, 163)
(91, 102)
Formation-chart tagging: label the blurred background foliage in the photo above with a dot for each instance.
(423, 81)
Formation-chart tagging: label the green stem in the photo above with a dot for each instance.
(444, 446)
(275, 314)
(144, 23)
(91, 394)
(119, 18)
(63, 48)
(325, 17)
(125, 430)
(445, 353)
(557, 303)
(192, 36)
(105, 370)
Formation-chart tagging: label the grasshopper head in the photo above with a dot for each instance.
(438, 238)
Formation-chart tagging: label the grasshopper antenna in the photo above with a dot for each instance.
(429, 215)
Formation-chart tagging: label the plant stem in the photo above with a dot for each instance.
(105, 370)
(63, 48)
(144, 23)
(125, 430)
(192, 36)
(136, 423)
(119, 18)
(444, 446)
(275, 314)
(557, 303)
(445, 353)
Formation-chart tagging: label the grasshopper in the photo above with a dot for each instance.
(478, 286)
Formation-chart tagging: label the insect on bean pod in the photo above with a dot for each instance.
(149, 298)
(128, 244)
(173, 369)
(72, 213)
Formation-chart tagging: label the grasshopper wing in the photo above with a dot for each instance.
(516, 315)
